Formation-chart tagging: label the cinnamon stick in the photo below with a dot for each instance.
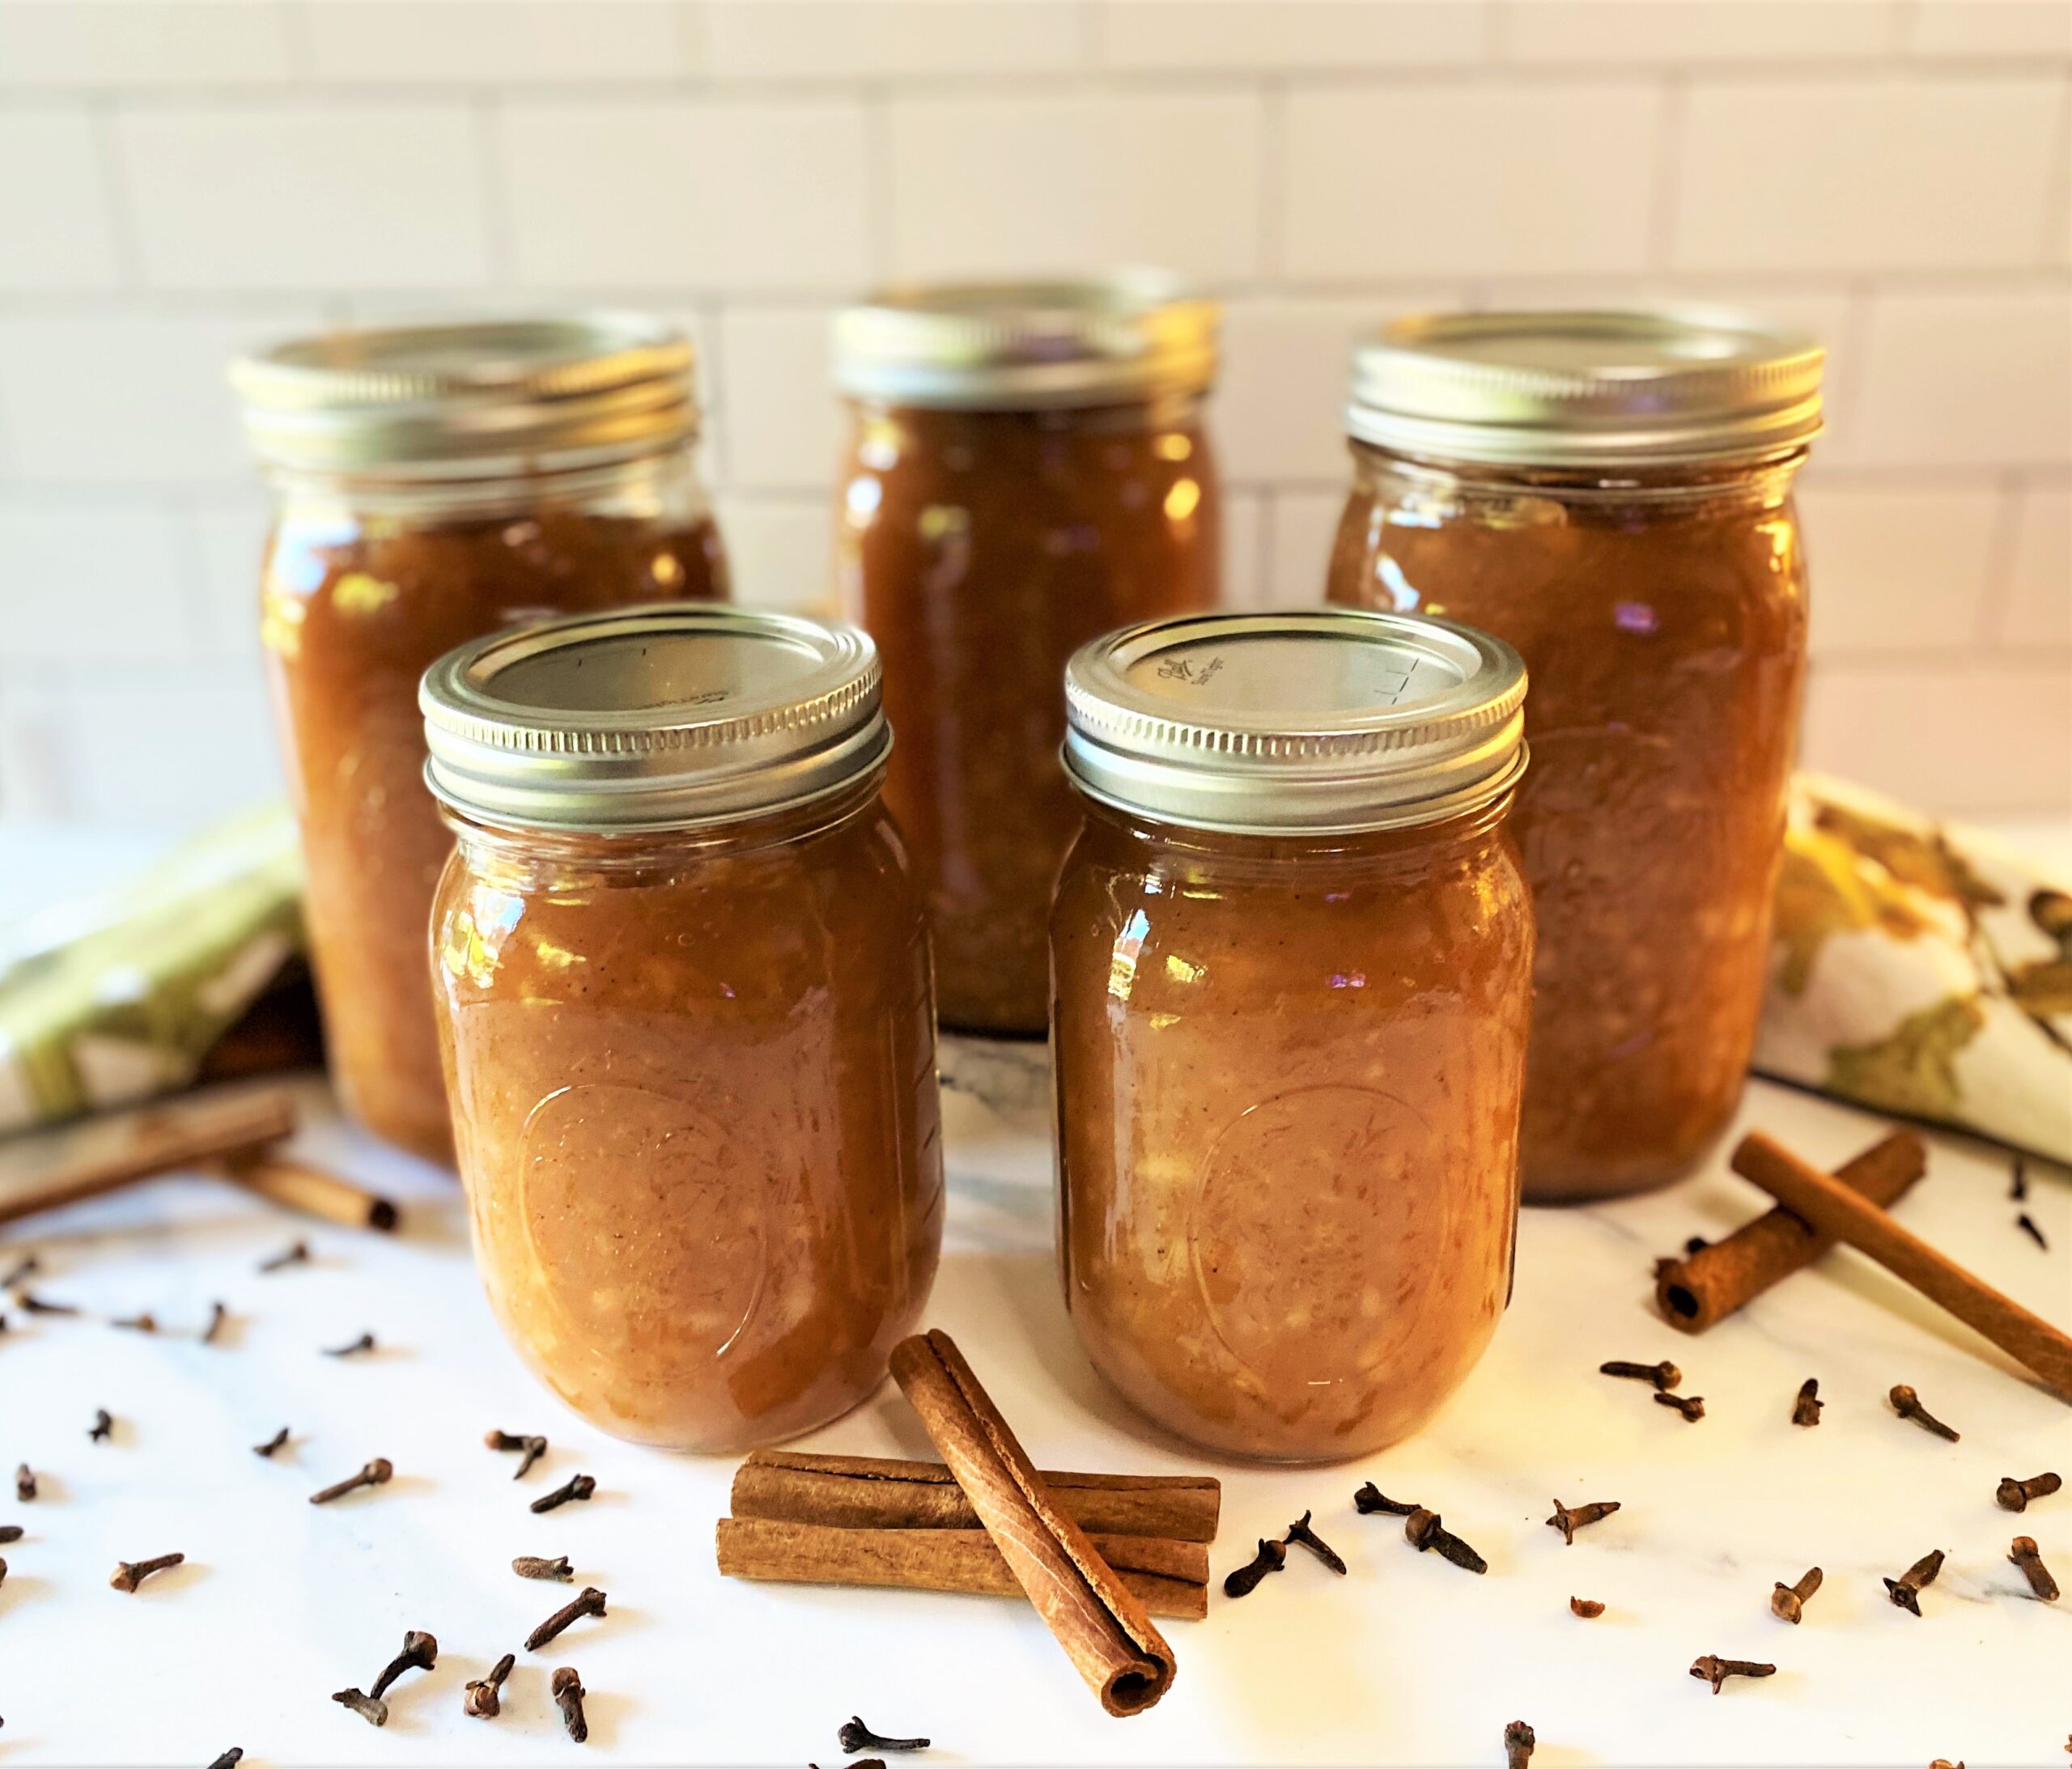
(1701, 1291)
(1167, 1577)
(310, 1190)
(1098, 1620)
(879, 1492)
(1837, 1212)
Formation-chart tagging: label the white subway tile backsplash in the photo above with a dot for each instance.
(56, 225)
(227, 538)
(2021, 28)
(1465, 180)
(785, 424)
(90, 581)
(1697, 32)
(128, 43)
(2037, 611)
(867, 40)
(1247, 35)
(1302, 526)
(1899, 567)
(1012, 184)
(1869, 174)
(318, 194)
(492, 42)
(781, 551)
(683, 193)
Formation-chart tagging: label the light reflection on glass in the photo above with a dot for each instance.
(1122, 960)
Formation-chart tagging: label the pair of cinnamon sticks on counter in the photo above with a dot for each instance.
(1096, 1555)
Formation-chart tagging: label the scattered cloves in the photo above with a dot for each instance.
(296, 1253)
(481, 1699)
(218, 1315)
(1518, 1742)
(129, 1574)
(1272, 1557)
(1569, 1520)
(1691, 1406)
(2018, 1190)
(364, 1342)
(533, 1447)
(10, 1532)
(3, 1571)
(578, 1486)
(589, 1602)
(2014, 1495)
(230, 1759)
(1663, 1375)
(1716, 1671)
(1905, 1590)
(1805, 1409)
(420, 1652)
(1371, 1499)
(35, 1304)
(1588, 1608)
(1788, 1601)
(856, 1736)
(1907, 1404)
(568, 1692)
(136, 1323)
(2024, 1554)
(374, 1474)
(1424, 1531)
(23, 1269)
(532, 1566)
(279, 1440)
(2027, 1224)
(104, 1427)
(1300, 1531)
(370, 1709)
(25, 1484)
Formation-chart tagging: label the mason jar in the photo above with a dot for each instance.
(1027, 468)
(682, 971)
(1292, 953)
(1612, 494)
(433, 483)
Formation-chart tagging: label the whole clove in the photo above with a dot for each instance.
(420, 1652)
(589, 1602)
(1691, 1406)
(482, 1699)
(1663, 1375)
(10, 1532)
(277, 1441)
(136, 1323)
(1424, 1532)
(2024, 1553)
(1788, 1601)
(2013, 1495)
(23, 1269)
(1271, 1558)
(531, 1565)
(3, 1571)
(1905, 1590)
(230, 1759)
(25, 1484)
(1588, 1608)
(533, 1447)
(1371, 1499)
(1569, 1520)
(35, 1304)
(370, 1709)
(218, 1315)
(2027, 1224)
(1300, 1531)
(1907, 1404)
(1518, 1742)
(1716, 1671)
(129, 1574)
(364, 1342)
(296, 1253)
(1805, 1409)
(578, 1486)
(2018, 1190)
(567, 1691)
(856, 1736)
(374, 1474)
(104, 1427)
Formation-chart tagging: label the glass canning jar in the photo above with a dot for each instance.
(1292, 955)
(1027, 468)
(685, 1016)
(1612, 493)
(433, 483)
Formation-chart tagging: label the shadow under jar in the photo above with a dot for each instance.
(1612, 493)
(1027, 468)
(1291, 953)
(685, 1015)
(435, 483)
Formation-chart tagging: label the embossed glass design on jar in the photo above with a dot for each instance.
(1292, 955)
(1612, 493)
(435, 483)
(1027, 468)
(685, 1009)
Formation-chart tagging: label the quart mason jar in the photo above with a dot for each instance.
(682, 974)
(1292, 954)
(1027, 468)
(1612, 493)
(433, 483)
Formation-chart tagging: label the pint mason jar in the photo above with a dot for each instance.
(681, 970)
(1027, 467)
(1292, 954)
(1612, 493)
(433, 483)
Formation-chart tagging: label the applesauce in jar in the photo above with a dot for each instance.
(433, 483)
(1028, 467)
(685, 1016)
(1612, 493)
(1292, 954)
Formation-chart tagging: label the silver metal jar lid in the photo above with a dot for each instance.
(1558, 389)
(652, 717)
(1328, 720)
(478, 396)
(1018, 346)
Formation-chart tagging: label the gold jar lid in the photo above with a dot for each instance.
(1563, 389)
(1328, 720)
(655, 717)
(475, 397)
(1017, 346)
